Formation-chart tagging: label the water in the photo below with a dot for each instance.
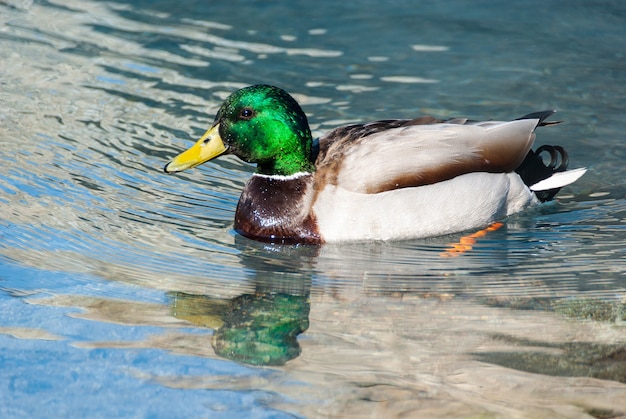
(125, 292)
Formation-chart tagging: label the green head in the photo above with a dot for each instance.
(259, 124)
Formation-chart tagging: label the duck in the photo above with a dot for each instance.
(385, 180)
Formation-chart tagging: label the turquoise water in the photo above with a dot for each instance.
(126, 293)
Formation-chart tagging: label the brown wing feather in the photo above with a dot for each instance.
(392, 154)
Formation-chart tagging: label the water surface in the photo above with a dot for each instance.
(125, 292)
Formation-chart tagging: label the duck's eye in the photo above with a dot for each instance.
(246, 114)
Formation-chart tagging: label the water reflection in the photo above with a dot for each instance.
(423, 337)
(565, 359)
(257, 329)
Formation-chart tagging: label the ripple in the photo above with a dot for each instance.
(429, 48)
(408, 79)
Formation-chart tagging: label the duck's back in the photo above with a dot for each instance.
(387, 155)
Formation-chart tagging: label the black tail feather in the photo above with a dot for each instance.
(533, 169)
(541, 116)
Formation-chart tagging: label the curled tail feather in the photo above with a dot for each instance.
(547, 179)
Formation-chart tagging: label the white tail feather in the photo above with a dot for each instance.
(559, 179)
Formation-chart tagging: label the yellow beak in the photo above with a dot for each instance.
(208, 147)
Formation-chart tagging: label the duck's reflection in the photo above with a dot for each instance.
(259, 327)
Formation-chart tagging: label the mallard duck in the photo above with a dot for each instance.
(385, 180)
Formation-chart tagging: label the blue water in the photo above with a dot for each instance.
(126, 293)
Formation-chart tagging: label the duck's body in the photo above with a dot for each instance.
(386, 180)
(293, 210)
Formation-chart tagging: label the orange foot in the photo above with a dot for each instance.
(465, 243)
